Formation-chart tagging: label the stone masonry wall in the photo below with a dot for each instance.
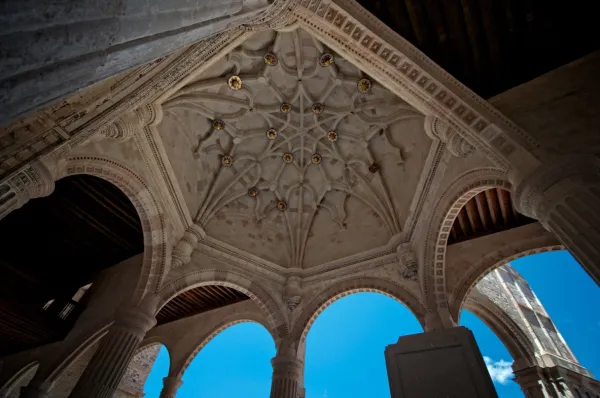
(507, 289)
(132, 384)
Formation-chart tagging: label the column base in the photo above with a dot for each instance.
(443, 363)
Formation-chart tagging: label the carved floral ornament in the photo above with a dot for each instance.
(301, 129)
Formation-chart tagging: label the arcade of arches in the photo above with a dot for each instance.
(256, 160)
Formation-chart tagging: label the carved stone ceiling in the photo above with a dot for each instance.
(287, 151)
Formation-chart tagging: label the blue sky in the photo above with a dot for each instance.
(344, 354)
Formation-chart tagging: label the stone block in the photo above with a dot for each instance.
(440, 364)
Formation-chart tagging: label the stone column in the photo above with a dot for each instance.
(444, 363)
(565, 198)
(108, 365)
(170, 386)
(287, 377)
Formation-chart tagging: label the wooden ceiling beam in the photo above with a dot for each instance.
(492, 34)
(420, 25)
(473, 216)
(483, 211)
(463, 222)
(472, 19)
(493, 205)
(505, 205)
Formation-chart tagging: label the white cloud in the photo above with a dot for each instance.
(500, 371)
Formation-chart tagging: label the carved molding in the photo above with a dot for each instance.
(34, 181)
(455, 143)
(409, 263)
(442, 217)
(356, 34)
(292, 294)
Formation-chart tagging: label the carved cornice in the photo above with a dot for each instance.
(356, 34)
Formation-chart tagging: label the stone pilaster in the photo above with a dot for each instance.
(104, 372)
(287, 377)
(565, 198)
(170, 386)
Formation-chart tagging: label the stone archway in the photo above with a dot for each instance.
(445, 211)
(156, 243)
(275, 319)
(347, 287)
(212, 331)
(495, 259)
(518, 343)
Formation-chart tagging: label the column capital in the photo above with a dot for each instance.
(289, 367)
(288, 372)
(170, 386)
(134, 320)
(438, 320)
(537, 194)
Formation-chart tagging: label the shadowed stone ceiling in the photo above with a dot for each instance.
(283, 151)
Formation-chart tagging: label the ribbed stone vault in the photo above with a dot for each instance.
(300, 158)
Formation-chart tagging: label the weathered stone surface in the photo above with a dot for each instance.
(51, 50)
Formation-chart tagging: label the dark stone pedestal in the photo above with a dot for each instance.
(440, 364)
